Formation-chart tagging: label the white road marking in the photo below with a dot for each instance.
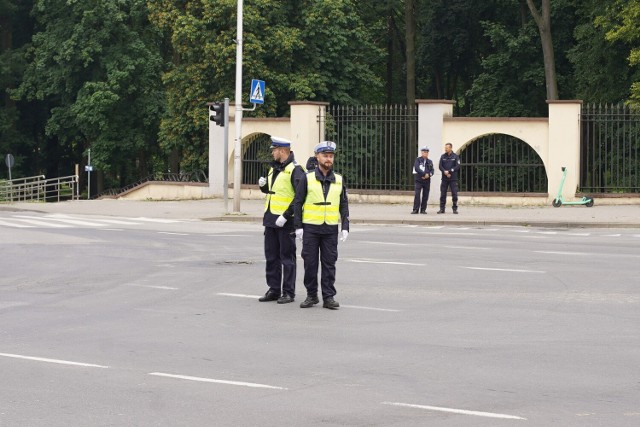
(371, 242)
(162, 221)
(463, 247)
(61, 362)
(223, 294)
(448, 233)
(562, 253)
(230, 235)
(169, 288)
(15, 225)
(364, 261)
(503, 269)
(455, 411)
(547, 232)
(172, 234)
(117, 222)
(43, 223)
(359, 307)
(211, 380)
(612, 235)
(111, 229)
(578, 234)
(63, 220)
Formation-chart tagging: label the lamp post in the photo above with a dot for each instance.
(237, 158)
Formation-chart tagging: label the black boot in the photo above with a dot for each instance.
(309, 302)
(271, 295)
(331, 304)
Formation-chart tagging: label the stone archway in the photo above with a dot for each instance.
(256, 156)
(501, 163)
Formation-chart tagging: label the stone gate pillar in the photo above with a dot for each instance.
(564, 147)
(307, 127)
(431, 114)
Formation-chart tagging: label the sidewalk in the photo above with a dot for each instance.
(624, 216)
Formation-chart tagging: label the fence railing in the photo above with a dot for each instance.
(501, 163)
(377, 144)
(610, 149)
(39, 189)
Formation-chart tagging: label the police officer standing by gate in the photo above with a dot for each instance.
(449, 166)
(423, 171)
(320, 204)
(279, 233)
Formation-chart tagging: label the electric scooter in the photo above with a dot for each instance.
(559, 200)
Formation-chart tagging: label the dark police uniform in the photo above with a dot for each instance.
(451, 163)
(423, 171)
(320, 205)
(280, 242)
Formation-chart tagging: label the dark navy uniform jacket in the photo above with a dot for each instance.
(301, 195)
(422, 167)
(451, 163)
(269, 219)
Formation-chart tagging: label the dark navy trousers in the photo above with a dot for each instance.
(448, 183)
(422, 186)
(280, 254)
(322, 247)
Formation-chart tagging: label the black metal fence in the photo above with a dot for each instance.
(377, 145)
(610, 142)
(257, 158)
(501, 163)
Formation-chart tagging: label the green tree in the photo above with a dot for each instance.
(602, 73)
(542, 17)
(304, 50)
(451, 44)
(14, 29)
(621, 23)
(97, 65)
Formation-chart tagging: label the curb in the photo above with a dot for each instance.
(463, 222)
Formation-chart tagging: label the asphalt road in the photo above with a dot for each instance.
(155, 322)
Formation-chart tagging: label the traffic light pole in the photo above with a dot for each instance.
(225, 179)
(237, 157)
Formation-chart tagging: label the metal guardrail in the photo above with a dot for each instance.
(39, 189)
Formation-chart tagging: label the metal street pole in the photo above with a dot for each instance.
(237, 158)
(89, 175)
(225, 179)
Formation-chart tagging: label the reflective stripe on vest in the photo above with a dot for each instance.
(316, 209)
(282, 190)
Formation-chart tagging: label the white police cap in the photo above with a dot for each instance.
(325, 147)
(278, 142)
(424, 149)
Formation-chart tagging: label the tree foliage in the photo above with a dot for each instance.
(621, 23)
(95, 65)
(130, 79)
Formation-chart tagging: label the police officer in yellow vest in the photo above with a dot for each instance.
(320, 205)
(279, 233)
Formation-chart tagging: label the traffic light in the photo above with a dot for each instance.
(218, 113)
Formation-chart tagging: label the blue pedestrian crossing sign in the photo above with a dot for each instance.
(257, 92)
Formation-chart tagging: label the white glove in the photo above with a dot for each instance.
(343, 237)
(281, 221)
(262, 181)
(299, 233)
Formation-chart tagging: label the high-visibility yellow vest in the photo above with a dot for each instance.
(316, 209)
(282, 189)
